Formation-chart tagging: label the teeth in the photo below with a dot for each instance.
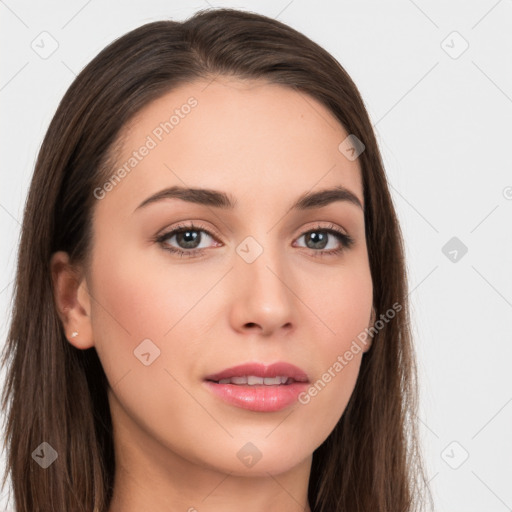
(252, 380)
(275, 380)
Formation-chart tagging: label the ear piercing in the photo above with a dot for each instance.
(74, 334)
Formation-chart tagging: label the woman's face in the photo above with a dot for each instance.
(252, 286)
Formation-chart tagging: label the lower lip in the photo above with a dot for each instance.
(260, 398)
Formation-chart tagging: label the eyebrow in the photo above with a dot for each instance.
(217, 199)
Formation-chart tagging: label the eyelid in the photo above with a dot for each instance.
(319, 225)
(184, 225)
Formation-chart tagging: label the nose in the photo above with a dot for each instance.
(263, 298)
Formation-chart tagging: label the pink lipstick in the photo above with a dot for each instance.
(258, 387)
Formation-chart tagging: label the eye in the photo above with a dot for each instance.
(318, 239)
(188, 238)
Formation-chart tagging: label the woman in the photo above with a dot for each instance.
(211, 300)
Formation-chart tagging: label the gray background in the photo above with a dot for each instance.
(442, 114)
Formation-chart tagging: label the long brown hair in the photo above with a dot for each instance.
(56, 393)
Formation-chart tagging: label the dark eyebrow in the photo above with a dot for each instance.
(214, 198)
(311, 200)
(193, 195)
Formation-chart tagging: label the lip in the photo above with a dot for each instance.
(259, 398)
(261, 370)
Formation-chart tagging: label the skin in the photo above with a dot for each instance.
(176, 443)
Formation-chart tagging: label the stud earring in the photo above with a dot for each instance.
(74, 334)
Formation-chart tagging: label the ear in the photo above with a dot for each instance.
(72, 300)
(369, 339)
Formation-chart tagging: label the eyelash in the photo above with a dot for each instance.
(346, 241)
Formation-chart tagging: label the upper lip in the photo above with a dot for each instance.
(281, 369)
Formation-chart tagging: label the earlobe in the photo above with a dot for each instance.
(71, 300)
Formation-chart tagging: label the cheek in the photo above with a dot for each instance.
(134, 301)
(343, 307)
(352, 304)
(157, 310)
(340, 303)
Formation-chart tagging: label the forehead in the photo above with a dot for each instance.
(248, 137)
